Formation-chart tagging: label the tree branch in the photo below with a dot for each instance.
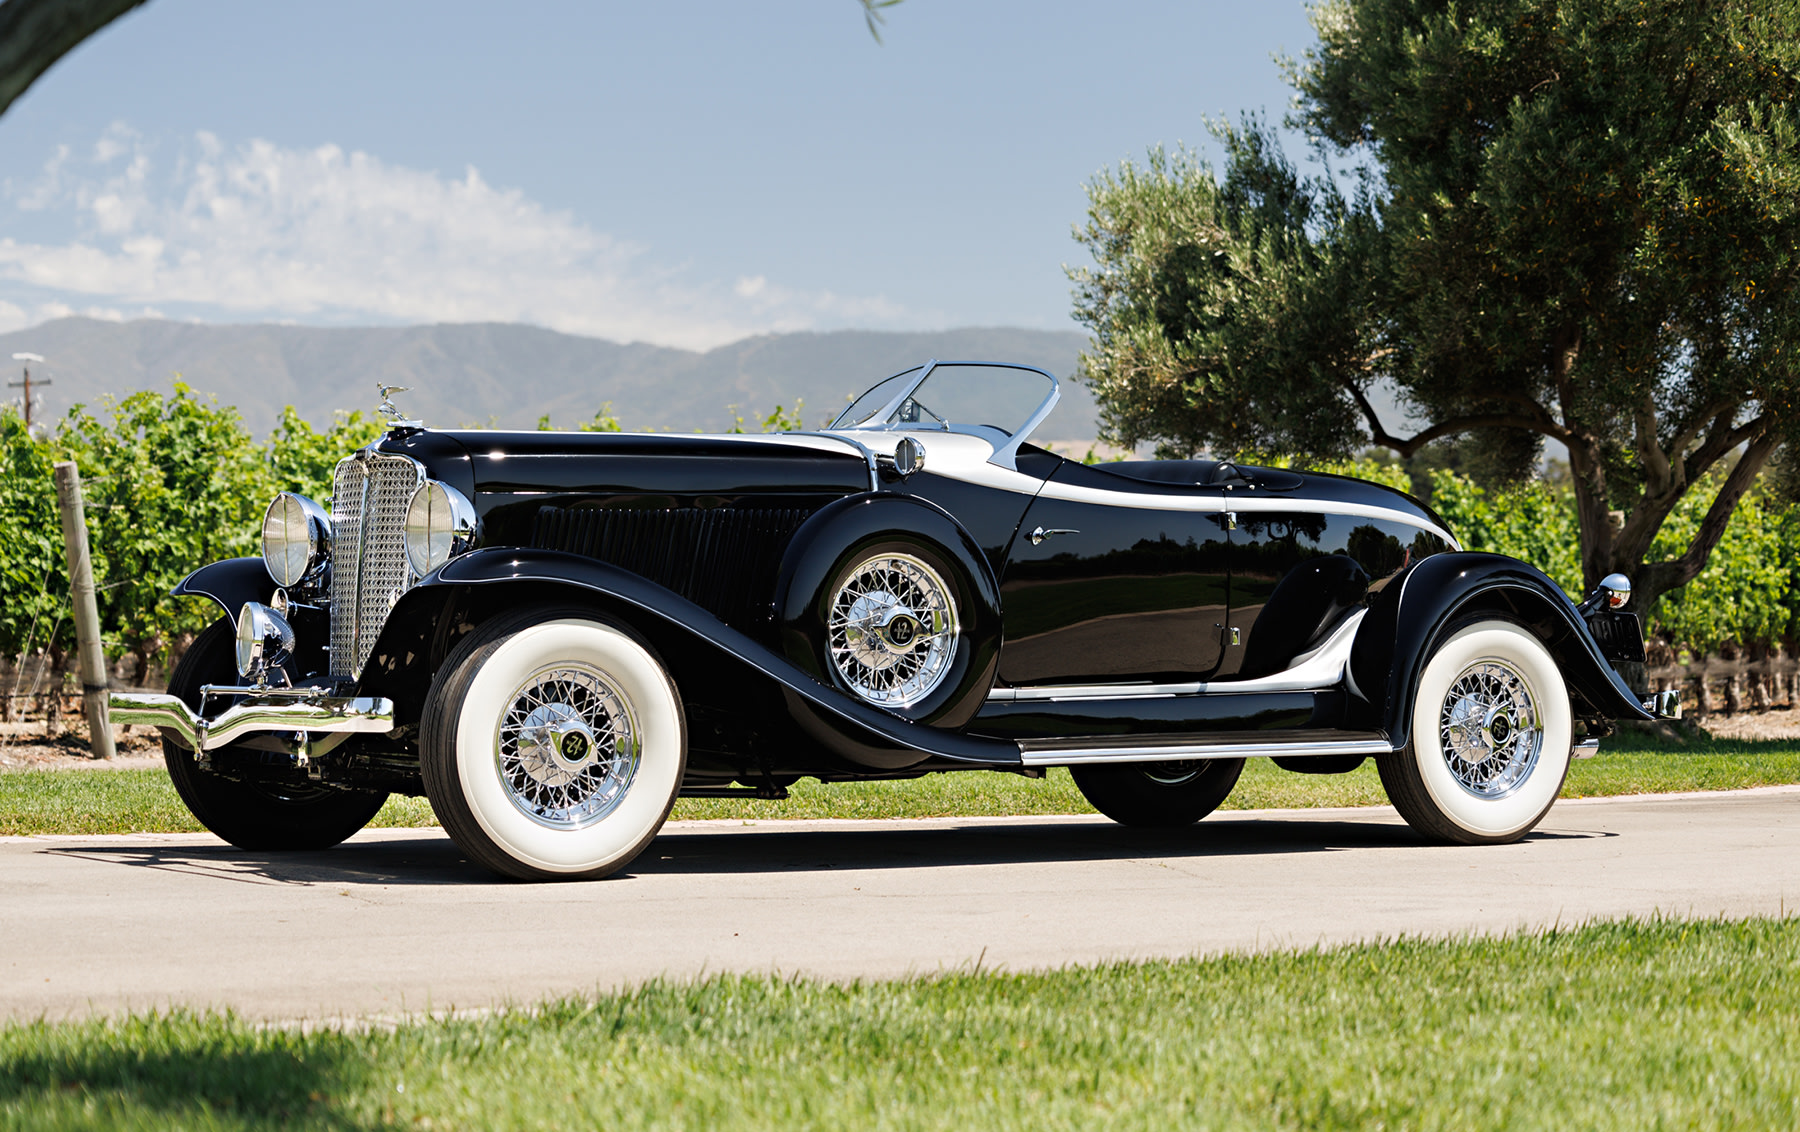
(1690, 431)
(1540, 422)
(1656, 462)
(1721, 442)
(1712, 528)
(34, 34)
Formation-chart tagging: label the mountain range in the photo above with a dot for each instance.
(508, 375)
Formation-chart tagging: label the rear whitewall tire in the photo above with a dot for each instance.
(1422, 780)
(462, 753)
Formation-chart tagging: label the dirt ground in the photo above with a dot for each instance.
(138, 747)
(1783, 723)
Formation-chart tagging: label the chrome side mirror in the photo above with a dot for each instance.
(1616, 588)
(1613, 592)
(909, 456)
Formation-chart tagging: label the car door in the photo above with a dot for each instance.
(1110, 582)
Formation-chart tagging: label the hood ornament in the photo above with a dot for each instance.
(387, 408)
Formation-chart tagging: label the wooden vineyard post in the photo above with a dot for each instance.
(87, 616)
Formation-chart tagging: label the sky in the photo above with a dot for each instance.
(685, 174)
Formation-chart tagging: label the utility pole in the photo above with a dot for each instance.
(87, 617)
(27, 383)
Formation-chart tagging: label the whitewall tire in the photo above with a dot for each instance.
(1491, 736)
(553, 745)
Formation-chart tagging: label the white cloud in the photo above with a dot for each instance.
(263, 231)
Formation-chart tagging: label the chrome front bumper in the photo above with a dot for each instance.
(328, 714)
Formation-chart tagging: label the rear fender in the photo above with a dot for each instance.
(1416, 611)
(705, 653)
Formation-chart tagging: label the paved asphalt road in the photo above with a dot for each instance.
(397, 921)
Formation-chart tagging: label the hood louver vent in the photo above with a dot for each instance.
(723, 559)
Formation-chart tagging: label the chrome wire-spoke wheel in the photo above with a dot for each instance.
(567, 747)
(892, 630)
(1489, 730)
(552, 744)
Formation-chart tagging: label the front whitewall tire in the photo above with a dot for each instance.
(1488, 678)
(593, 685)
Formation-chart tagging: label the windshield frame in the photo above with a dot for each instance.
(1006, 447)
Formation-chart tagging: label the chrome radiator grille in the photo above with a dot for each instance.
(369, 571)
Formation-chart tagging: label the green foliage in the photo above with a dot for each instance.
(171, 483)
(301, 459)
(1746, 592)
(1214, 313)
(1534, 522)
(604, 421)
(778, 421)
(33, 585)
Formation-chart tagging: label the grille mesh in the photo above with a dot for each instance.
(723, 559)
(368, 571)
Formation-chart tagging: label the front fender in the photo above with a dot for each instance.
(1416, 611)
(230, 582)
(856, 731)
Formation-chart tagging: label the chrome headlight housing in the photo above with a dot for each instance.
(440, 524)
(265, 641)
(296, 541)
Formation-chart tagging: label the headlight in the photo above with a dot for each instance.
(440, 524)
(296, 540)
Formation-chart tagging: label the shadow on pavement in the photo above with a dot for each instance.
(788, 850)
(428, 859)
(432, 859)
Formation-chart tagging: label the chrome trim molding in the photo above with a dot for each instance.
(1320, 670)
(1239, 505)
(364, 714)
(1071, 756)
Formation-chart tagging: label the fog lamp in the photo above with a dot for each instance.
(265, 641)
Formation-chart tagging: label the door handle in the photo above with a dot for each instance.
(1041, 534)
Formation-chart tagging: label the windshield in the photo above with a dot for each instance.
(874, 400)
(953, 395)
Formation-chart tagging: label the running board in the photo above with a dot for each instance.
(1135, 749)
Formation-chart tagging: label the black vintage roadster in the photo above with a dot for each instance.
(552, 636)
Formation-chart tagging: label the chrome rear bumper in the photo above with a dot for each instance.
(1664, 705)
(330, 714)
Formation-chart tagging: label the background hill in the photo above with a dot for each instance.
(509, 375)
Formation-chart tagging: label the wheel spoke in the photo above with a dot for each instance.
(1488, 729)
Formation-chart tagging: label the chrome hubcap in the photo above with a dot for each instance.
(567, 748)
(892, 630)
(1173, 773)
(1489, 729)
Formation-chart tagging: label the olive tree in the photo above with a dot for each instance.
(1571, 220)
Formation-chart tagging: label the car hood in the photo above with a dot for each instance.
(481, 462)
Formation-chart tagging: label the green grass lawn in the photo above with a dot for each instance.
(91, 801)
(1614, 1026)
